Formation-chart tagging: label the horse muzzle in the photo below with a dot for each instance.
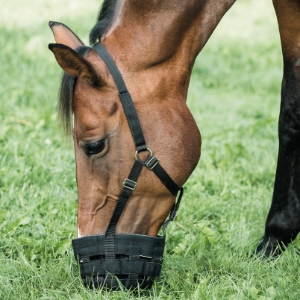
(129, 259)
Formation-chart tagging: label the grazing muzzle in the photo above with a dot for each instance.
(110, 259)
(137, 260)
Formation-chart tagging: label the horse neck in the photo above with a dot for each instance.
(146, 35)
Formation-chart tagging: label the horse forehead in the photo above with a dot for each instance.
(90, 100)
(94, 109)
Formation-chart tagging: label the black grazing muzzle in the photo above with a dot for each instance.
(110, 259)
(137, 260)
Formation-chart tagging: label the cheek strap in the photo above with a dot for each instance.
(152, 163)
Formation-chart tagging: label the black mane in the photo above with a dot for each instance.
(103, 21)
(68, 82)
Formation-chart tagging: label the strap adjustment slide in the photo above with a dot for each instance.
(151, 162)
(129, 184)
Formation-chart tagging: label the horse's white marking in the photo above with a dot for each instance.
(78, 232)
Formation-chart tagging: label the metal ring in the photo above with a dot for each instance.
(137, 152)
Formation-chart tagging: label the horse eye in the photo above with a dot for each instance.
(93, 148)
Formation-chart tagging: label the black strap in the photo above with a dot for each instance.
(166, 179)
(131, 114)
(173, 213)
(151, 162)
(129, 186)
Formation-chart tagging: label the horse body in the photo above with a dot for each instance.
(155, 44)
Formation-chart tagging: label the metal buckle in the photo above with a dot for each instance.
(129, 184)
(151, 163)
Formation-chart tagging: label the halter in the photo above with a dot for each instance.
(131, 259)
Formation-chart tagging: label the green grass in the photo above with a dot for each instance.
(234, 97)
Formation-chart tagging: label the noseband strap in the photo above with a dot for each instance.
(151, 162)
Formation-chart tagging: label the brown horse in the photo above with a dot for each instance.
(154, 45)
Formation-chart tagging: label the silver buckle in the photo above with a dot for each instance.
(153, 161)
(129, 184)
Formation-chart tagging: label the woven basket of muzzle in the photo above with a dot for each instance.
(137, 260)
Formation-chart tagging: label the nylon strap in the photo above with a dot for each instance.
(166, 179)
(152, 162)
(124, 196)
(131, 114)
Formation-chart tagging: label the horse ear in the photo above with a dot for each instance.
(74, 64)
(64, 35)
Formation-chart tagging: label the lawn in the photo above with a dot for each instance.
(234, 96)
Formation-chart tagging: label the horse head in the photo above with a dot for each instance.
(103, 143)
